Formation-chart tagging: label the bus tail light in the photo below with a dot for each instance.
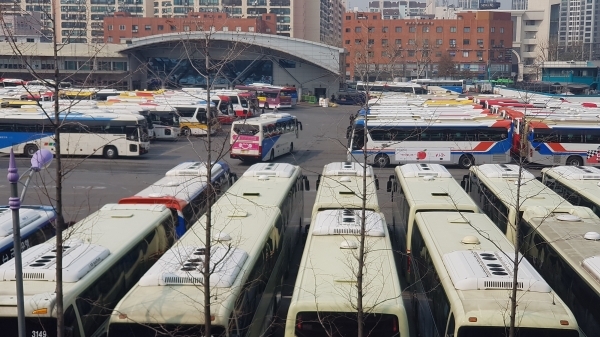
(395, 324)
(564, 322)
(472, 319)
(299, 322)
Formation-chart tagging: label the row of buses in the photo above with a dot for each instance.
(105, 254)
(396, 129)
(456, 248)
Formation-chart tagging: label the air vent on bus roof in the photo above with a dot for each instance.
(194, 168)
(270, 169)
(39, 262)
(480, 270)
(578, 172)
(503, 171)
(347, 222)
(182, 265)
(273, 115)
(424, 170)
(27, 217)
(592, 265)
(346, 169)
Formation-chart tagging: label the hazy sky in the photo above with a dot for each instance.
(363, 4)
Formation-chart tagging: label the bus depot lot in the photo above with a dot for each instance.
(93, 182)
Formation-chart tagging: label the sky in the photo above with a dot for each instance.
(363, 4)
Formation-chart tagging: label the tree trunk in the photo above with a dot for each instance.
(209, 193)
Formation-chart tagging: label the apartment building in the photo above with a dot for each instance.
(81, 21)
(477, 42)
(398, 9)
(579, 26)
(21, 27)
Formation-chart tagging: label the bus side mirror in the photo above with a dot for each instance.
(306, 183)
(463, 184)
(300, 125)
(232, 178)
(376, 183)
(389, 183)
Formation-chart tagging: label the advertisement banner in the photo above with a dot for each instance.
(435, 155)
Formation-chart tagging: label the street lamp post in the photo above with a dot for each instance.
(41, 159)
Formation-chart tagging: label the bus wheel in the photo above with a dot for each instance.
(466, 161)
(186, 131)
(574, 161)
(272, 157)
(382, 160)
(292, 148)
(110, 152)
(30, 150)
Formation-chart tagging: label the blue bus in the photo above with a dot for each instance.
(184, 191)
(37, 226)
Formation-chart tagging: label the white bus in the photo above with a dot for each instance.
(193, 119)
(457, 141)
(264, 138)
(255, 227)
(580, 185)
(340, 186)
(463, 275)
(324, 295)
(564, 248)
(494, 188)
(105, 254)
(110, 135)
(417, 188)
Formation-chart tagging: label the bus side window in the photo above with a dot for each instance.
(71, 323)
(451, 326)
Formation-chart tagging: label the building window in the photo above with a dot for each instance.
(348, 17)
(453, 29)
(465, 54)
(347, 42)
(357, 29)
(385, 54)
(371, 42)
(480, 30)
(384, 29)
(501, 30)
(122, 27)
(30, 40)
(493, 42)
(466, 42)
(370, 54)
(384, 42)
(160, 27)
(425, 29)
(439, 42)
(492, 29)
(226, 29)
(452, 53)
(148, 27)
(110, 39)
(371, 29)
(438, 54)
(398, 42)
(501, 43)
(347, 30)
(452, 42)
(398, 29)
(480, 42)
(529, 22)
(411, 42)
(173, 28)
(479, 54)
(412, 29)
(186, 28)
(411, 53)
(439, 29)
(250, 29)
(467, 29)
(357, 41)
(238, 29)
(110, 27)
(134, 28)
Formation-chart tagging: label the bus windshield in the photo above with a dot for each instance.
(135, 329)
(478, 331)
(246, 129)
(334, 324)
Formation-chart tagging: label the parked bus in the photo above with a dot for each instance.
(383, 87)
(110, 135)
(165, 121)
(444, 141)
(104, 256)
(184, 190)
(264, 138)
(194, 120)
(563, 247)
(255, 229)
(292, 92)
(418, 188)
(563, 143)
(442, 86)
(462, 278)
(269, 97)
(37, 226)
(337, 187)
(498, 190)
(240, 101)
(579, 185)
(324, 293)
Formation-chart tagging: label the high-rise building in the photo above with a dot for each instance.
(520, 5)
(82, 20)
(468, 4)
(579, 26)
(398, 9)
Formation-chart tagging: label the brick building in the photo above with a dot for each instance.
(478, 43)
(122, 26)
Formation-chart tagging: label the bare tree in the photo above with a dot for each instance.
(446, 66)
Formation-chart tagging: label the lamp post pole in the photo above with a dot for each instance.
(15, 204)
